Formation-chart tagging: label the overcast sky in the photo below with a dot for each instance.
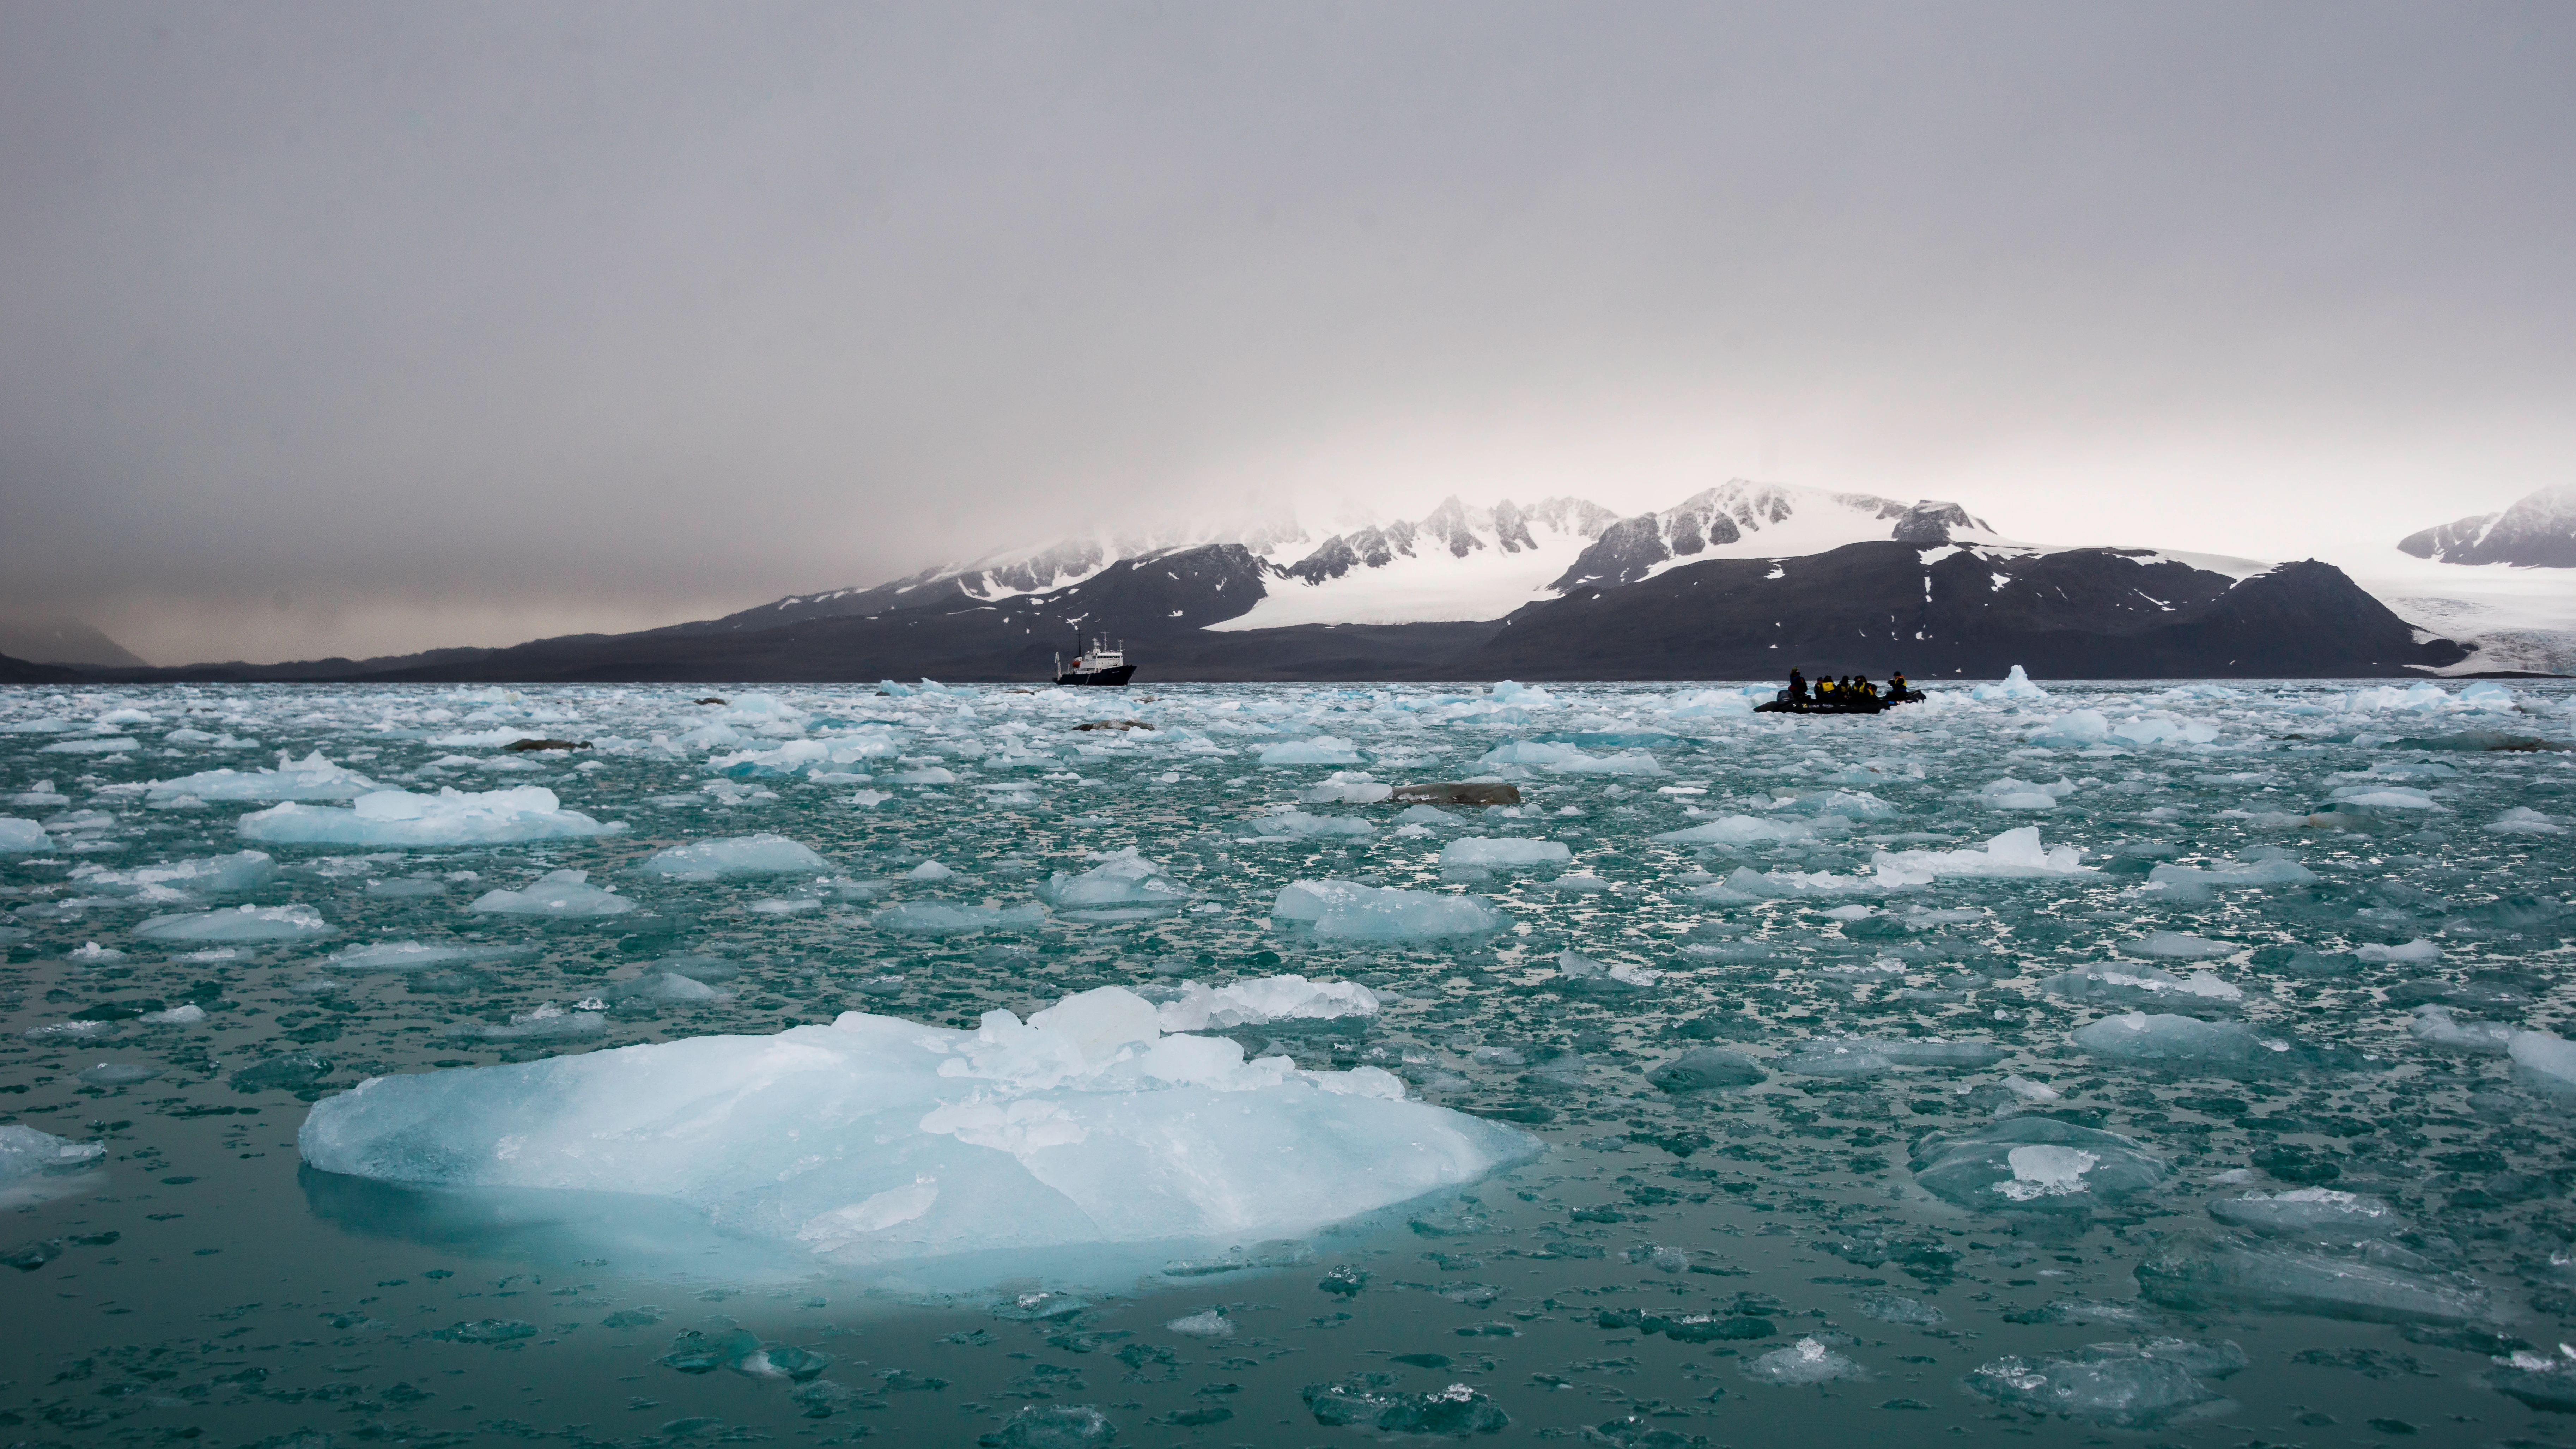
(359, 328)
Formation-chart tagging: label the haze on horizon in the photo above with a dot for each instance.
(363, 330)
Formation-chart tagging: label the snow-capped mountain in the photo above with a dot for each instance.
(2538, 531)
(1461, 563)
(1458, 562)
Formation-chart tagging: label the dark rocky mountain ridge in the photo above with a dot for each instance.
(1934, 612)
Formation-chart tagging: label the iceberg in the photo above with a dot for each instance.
(1263, 1001)
(2182, 1041)
(2015, 685)
(556, 893)
(2309, 1212)
(1320, 750)
(21, 837)
(1348, 910)
(311, 778)
(2546, 1059)
(1298, 825)
(2127, 1391)
(246, 923)
(2229, 1273)
(1739, 830)
(1125, 886)
(2034, 1163)
(877, 1140)
(223, 875)
(735, 855)
(2015, 853)
(1504, 851)
(26, 1153)
(450, 817)
(2116, 985)
(403, 956)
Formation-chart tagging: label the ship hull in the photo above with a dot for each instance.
(1119, 675)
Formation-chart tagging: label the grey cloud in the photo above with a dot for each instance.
(537, 317)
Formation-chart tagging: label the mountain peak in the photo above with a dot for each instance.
(2538, 531)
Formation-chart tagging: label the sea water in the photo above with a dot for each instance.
(2171, 1061)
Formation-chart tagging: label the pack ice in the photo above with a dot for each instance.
(877, 1140)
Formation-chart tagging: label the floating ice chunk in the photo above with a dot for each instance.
(548, 1022)
(735, 855)
(2177, 946)
(1125, 886)
(245, 923)
(556, 893)
(2011, 794)
(1504, 851)
(311, 778)
(1211, 1324)
(1808, 1361)
(96, 745)
(1849, 804)
(2036, 1163)
(942, 918)
(403, 956)
(2309, 1212)
(1627, 762)
(2014, 853)
(1084, 1125)
(1348, 910)
(21, 837)
(2030, 1091)
(1319, 750)
(2161, 728)
(2523, 820)
(450, 817)
(2127, 1392)
(1298, 825)
(2015, 685)
(70, 1031)
(926, 775)
(118, 1074)
(1371, 1401)
(672, 986)
(700, 968)
(27, 1153)
(1349, 787)
(2434, 1026)
(2197, 1276)
(2418, 950)
(2185, 882)
(2545, 1058)
(1262, 1001)
(2182, 1041)
(2387, 797)
(222, 875)
(1583, 972)
(1705, 1068)
(2121, 985)
(2073, 729)
(1739, 830)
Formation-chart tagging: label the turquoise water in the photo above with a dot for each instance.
(2305, 866)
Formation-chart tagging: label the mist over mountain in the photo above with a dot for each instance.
(63, 641)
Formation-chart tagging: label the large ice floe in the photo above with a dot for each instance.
(877, 1140)
(450, 817)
